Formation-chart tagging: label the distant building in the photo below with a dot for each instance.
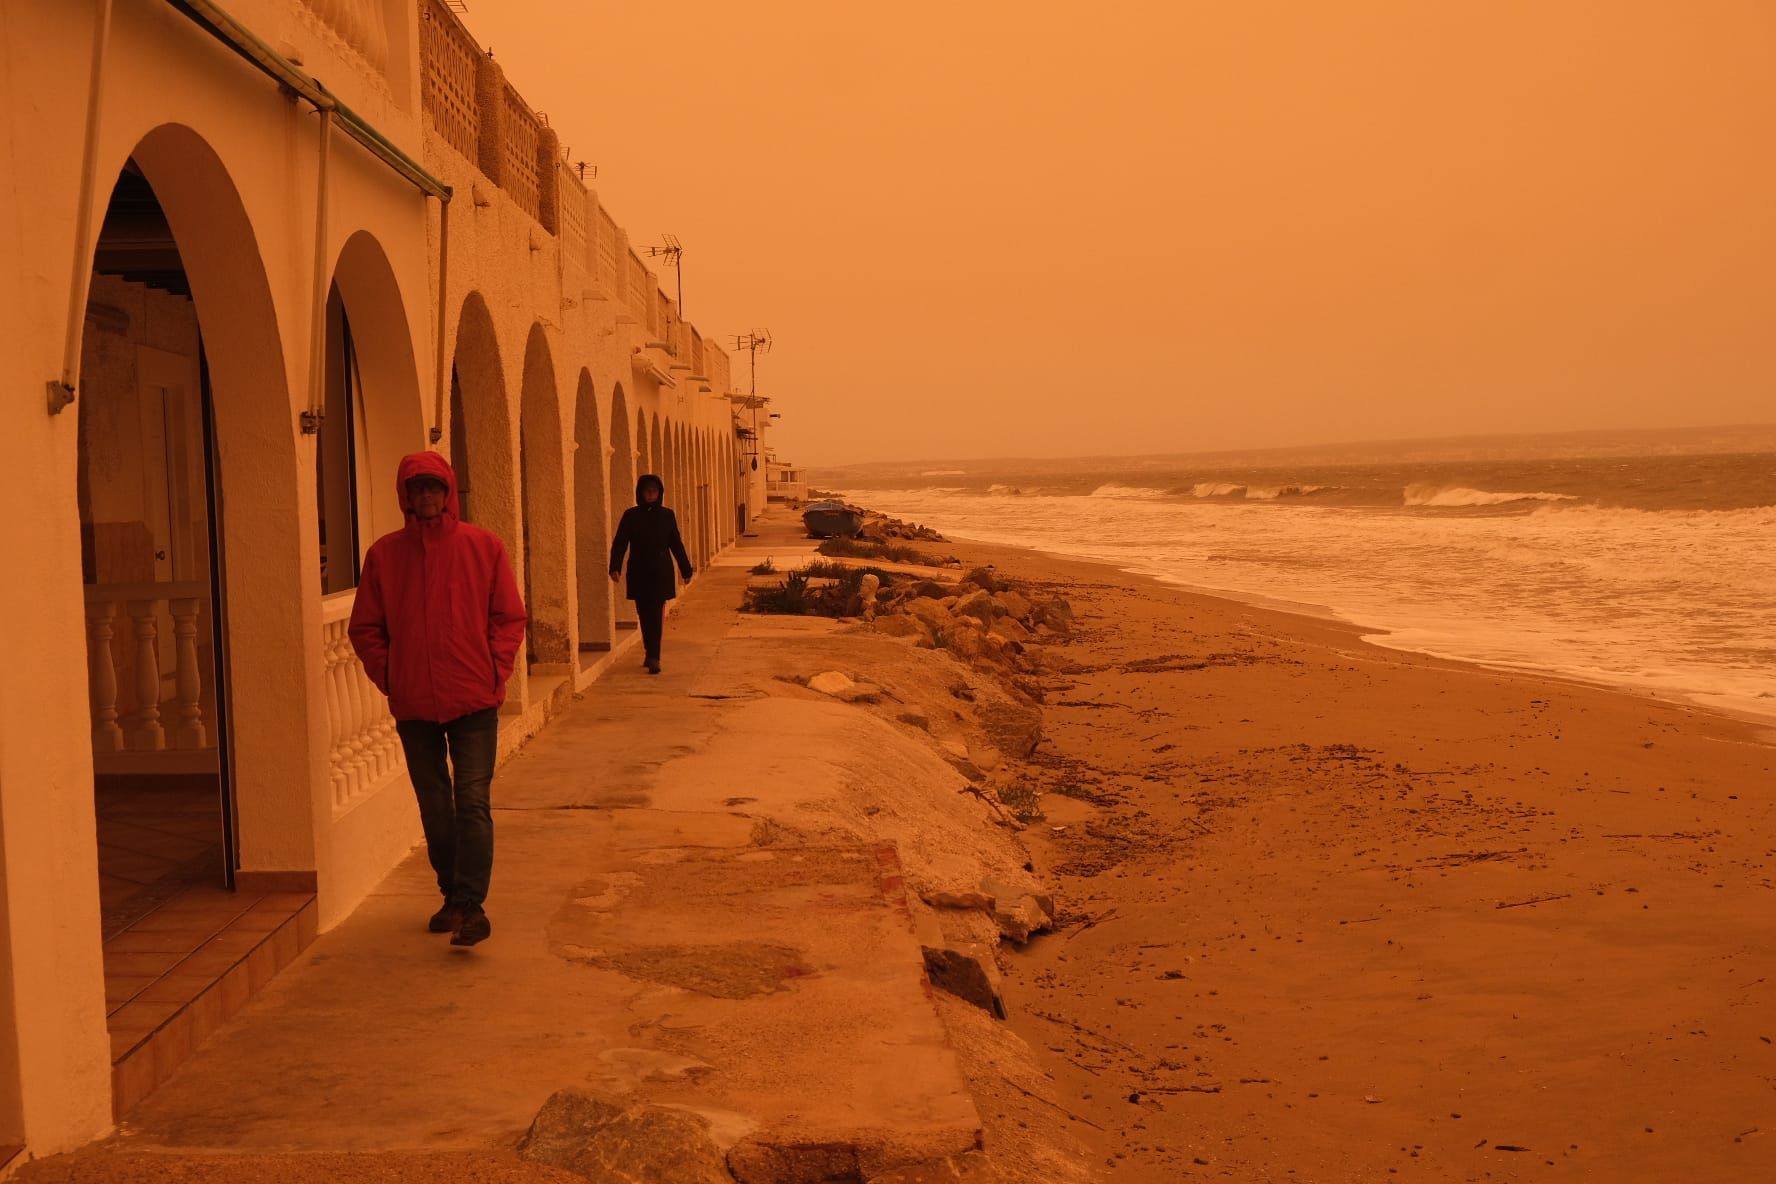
(784, 482)
(232, 311)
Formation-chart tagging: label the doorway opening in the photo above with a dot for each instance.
(151, 563)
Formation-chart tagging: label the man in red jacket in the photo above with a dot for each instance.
(437, 624)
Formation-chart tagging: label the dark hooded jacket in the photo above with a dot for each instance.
(649, 533)
(438, 619)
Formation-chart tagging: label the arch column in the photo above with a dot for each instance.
(591, 524)
(543, 497)
(624, 469)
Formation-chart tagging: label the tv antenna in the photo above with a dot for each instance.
(754, 343)
(673, 252)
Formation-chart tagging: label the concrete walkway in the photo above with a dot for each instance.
(657, 938)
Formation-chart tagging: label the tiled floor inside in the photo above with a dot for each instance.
(155, 840)
(182, 952)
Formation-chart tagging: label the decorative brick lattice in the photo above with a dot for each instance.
(521, 131)
(449, 57)
(573, 217)
(639, 286)
(608, 255)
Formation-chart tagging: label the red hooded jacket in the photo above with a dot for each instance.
(438, 618)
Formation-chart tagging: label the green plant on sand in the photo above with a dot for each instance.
(871, 549)
(791, 596)
(767, 568)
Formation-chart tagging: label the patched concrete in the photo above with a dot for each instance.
(674, 927)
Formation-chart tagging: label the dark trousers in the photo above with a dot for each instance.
(455, 810)
(652, 614)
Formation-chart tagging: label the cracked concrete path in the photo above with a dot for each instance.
(655, 939)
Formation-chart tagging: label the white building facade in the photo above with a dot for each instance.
(240, 297)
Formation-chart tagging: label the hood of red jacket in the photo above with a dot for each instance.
(427, 464)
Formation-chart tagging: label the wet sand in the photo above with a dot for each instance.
(1333, 912)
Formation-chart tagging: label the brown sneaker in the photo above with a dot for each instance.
(445, 920)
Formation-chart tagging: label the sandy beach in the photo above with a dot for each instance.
(1260, 902)
(1334, 912)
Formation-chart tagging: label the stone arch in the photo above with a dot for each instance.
(712, 494)
(730, 481)
(592, 498)
(480, 425)
(644, 444)
(623, 474)
(543, 500)
(265, 487)
(657, 462)
(701, 480)
(388, 404)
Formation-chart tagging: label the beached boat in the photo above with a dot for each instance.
(826, 520)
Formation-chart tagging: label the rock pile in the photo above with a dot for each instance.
(983, 621)
(880, 526)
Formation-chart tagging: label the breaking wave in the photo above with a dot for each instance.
(1269, 493)
(1252, 493)
(1457, 496)
(1128, 492)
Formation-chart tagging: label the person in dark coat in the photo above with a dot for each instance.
(648, 532)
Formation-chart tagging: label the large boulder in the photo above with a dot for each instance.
(979, 605)
(901, 625)
(1009, 628)
(983, 577)
(1055, 614)
(611, 1143)
(930, 613)
(1014, 603)
(965, 639)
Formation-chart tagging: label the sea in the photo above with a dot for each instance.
(1655, 573)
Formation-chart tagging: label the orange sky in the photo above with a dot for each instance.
(988, 229)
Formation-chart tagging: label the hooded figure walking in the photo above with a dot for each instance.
(437, 624)
(648, 531)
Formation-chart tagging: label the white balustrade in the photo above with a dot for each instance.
(142, 729)
(101, 669)
(364, 751)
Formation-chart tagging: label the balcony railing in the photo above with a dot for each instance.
(363, 753)
(134, 715)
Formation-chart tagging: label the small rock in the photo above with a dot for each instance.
(1018, 920)
(861, 692)
(958, 900)
(604, 1141)
(915, 719)
(830, 682)
(966, 971)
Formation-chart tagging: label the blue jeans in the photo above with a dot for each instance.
(455, 810)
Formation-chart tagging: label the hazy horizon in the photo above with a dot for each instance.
(1192, 227)
(1697, 441)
